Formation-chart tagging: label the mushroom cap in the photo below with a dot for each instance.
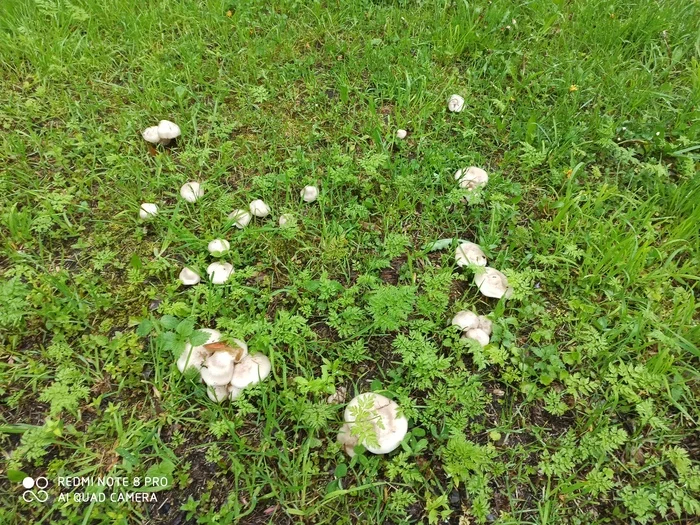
(148, 210)
(286, 219)
(478, 335)
(191, 191)
(217, 369)
(470, 253)
(168, 130)
(189, 277)
(218, 393)
(259, 208)
(252, 369)
(338, 396)
(151, 135)
(195, 356)
(309, 193)
(455, 103)
(485, 324)
(471, 178)
(241, 218)
(347, 439)
(492, 283)
(218, 247)
(233, 392)
(389, 427)
(465, 320)
(401, 134)
(219, 272)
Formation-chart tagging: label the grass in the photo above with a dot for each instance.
(583, 409)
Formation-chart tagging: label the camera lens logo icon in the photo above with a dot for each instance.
(35, 489)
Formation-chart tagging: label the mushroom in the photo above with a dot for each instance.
(287, 220)
(485, 324)
(401, 134)
(191, 191)
(195, 356)
(471, 178)
(493, 283)
(151, 135)
(219, 272)
(259, 208)
(252, 369)
(218, 394)
(189, 277)
(389, 427)
(465, 320)
(470, 253)
(455, 103)
(218, 247)
(309, 193)
(338, 396)
(167, 131)
(347, 439)
(233, 392)
(241, 218)
(218, 369)
(148, 210)
(478, 335)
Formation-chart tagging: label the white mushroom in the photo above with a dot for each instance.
(469, 253)
(148, 210)
(478, 335)
(252, 369)
(151, 135)
(218, 247)
(189, 277)
(347, 439)
(259, 208)
(401, 134)
(492, 283)
(455, 103)
(217, 369)
(233, 392)
(383, 416)
(465, 320)
(219, 272)
(471, 178)
(309, 193)
(167, 131)
(338, 396)
(195, 356)
(485, 324)
(191, 191)
(218, 394)
(241, 218)
(286, 220)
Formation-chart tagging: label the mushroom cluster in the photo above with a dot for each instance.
(378, 415)
(163, 133)
(225, 369)
(473, 326)
(490, 281)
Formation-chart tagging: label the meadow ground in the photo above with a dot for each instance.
(583, 408)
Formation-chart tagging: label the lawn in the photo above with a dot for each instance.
(581, 409)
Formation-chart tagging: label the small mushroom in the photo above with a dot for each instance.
(469, 253)
(471, 178)
(347, 439)
(191, 191)
(259, 208)
(219, 272)
(218, 393)
(455, 103)
(148, 210)
(493, 283)
(167, 131)
(287, 220)
(151, 135)
(218, 247)
(241, 218)
(194, 356)
(252, 369)
(389, 427)
(478, 335)
(233, 392)
(217, 369)
(309, 193)
(485, 324)
(401, 134)
(338, 396)
(465, 320)
(189, 277)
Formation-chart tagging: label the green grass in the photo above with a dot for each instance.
(582, 410)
